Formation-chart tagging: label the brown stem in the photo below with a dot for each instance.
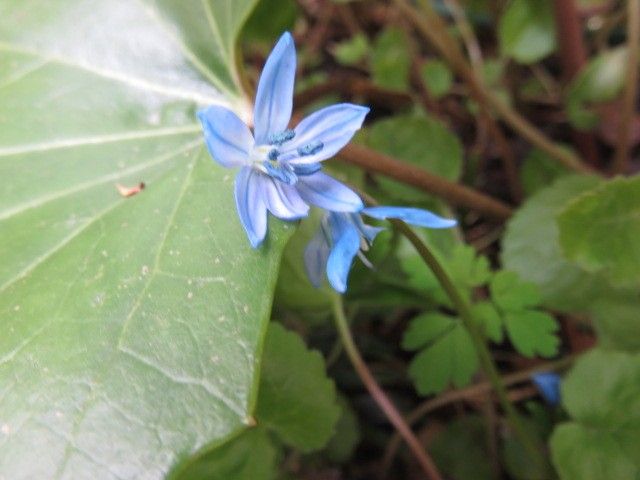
(434, 30)
(456, 194)
(573, 56)
(631, 87)
(474, 391)
(389, 409)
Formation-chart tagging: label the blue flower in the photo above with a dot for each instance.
(280, 167)
(342, 236)
(549, 385)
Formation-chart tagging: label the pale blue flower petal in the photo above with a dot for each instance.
(414, 216)
(249, 195)
(316, 254)
(346, 245)
(325, 192)
(227, 137)
(274, 98)
(367, 231)
(549, 385)
(283, 200)
(323, 133)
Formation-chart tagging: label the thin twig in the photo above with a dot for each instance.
(433, 29)
(456, 194)
(631, 87)
(423, 458)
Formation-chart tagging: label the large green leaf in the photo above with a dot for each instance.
(531, 247)
(602, 394)
(132, 327)
(599, 229)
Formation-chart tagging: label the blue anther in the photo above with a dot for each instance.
(281, 171)
(273, 154)
(282, 137)
(310, 149)
(306, 168)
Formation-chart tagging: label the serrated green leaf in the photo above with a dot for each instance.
(467, 268)
(532, 333)
(297, 400)
(489, 318)
(390, 60)
(249, 456)
(602, 394)
(510, 293)
(532, 250)
(131, 326)
(437, 77)
(599, 230)
(527, 30)
(449, 358)
(425, 329)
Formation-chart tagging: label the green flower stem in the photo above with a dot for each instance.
(389, 409)
(464, 311)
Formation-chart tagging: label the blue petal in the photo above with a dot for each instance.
(414, 216)
(274, 99)
(326, 192)
(227, 137)
(367, 231)
(549, 385)
(283, 200)
(250, 204)
(316, 254)
(332, 127)
(345, 247)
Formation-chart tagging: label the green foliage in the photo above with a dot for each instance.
(601, 80)
(390, 59)
(531, 331)
(531, 246)
(346, 437)
(282, 15)
(437, 77)
(294, 290)
(297, 400)
(600, 229)
(353, 50)
(422, 141)
(539, 170)
(459, 450)
(446, 356)
(602, 395)
(527, 31)
(131, 326)
(249, 456)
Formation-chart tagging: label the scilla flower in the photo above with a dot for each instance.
(279, 167)
(342, 236)
(549, 385)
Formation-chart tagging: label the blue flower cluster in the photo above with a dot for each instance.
(280, 170)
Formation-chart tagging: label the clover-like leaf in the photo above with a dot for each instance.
(131, 326)
(446, 356)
